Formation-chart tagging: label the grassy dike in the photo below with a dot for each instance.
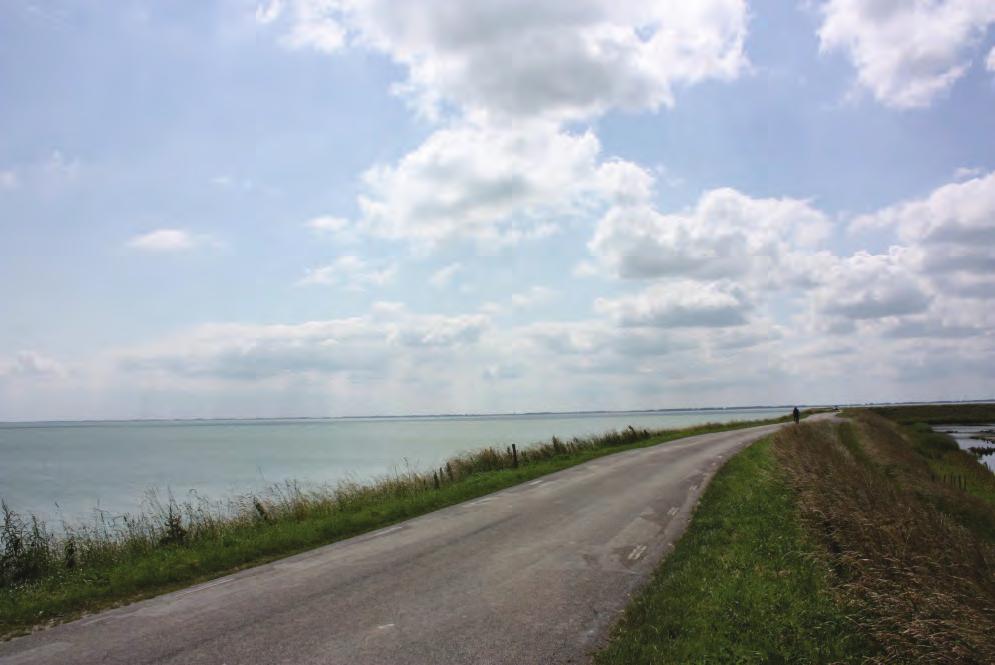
(744, 584)
(46, 578)
(831, 542)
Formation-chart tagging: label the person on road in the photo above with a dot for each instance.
(796, 415)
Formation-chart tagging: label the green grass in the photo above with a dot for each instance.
(742, 586)
(49, 579)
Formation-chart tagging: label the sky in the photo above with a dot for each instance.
(236, 208)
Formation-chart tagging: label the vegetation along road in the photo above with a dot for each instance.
(537, 573)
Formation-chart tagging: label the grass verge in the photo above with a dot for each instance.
(46, 578)
(742, 585)
(831, 542)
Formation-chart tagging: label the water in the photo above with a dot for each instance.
(66, 470)
(963, 434)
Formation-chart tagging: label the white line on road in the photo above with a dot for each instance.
(204, 587)
(385, 626)
(636, 552)
(672, 511)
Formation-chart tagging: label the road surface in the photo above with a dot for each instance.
(536, 573)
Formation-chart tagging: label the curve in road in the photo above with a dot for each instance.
(536, 573)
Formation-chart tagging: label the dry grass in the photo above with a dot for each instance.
(910, 554)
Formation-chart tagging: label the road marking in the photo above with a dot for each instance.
(537, 482)
(386, 626)
(693, 488)
(384, 532)
(636, 552)
(479, 501)
(204, 587)
(672, 511)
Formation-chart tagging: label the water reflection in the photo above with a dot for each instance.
(973, 436)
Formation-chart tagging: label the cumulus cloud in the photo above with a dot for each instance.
(906, 53)
(349, 271)
(494, 186)
(679, 305)
(873, 286)
(558, 58)
(503, 168)
(953, 232)
(726, 235)
(166, 240)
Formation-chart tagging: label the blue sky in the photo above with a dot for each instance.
(342, 207)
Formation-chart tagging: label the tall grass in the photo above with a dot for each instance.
(52, 574)
(913, 557)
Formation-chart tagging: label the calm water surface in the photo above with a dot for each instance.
(965, 437)
(58, 470)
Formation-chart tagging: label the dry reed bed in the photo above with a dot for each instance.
(920, 580)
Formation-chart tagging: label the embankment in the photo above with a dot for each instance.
(866, 540)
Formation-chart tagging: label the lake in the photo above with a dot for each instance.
(68, 469)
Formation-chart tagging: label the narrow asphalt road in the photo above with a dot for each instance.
(536, 573)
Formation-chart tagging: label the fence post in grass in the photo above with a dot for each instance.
(514, 456)
(449, 471)
(435, 477)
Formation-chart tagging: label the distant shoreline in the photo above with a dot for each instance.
(511, 414)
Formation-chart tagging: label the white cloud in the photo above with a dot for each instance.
(907, 52)
(308, 23)
(166, 240)
(269, 12)
(990, 62)
(389, 338)
(349, 271)
(952, 231)
(327, 224)
(679, 304)
(9, 180)
(443, 276)
(873, 286)
(558, 58)
(726, 235)
(494, 186)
